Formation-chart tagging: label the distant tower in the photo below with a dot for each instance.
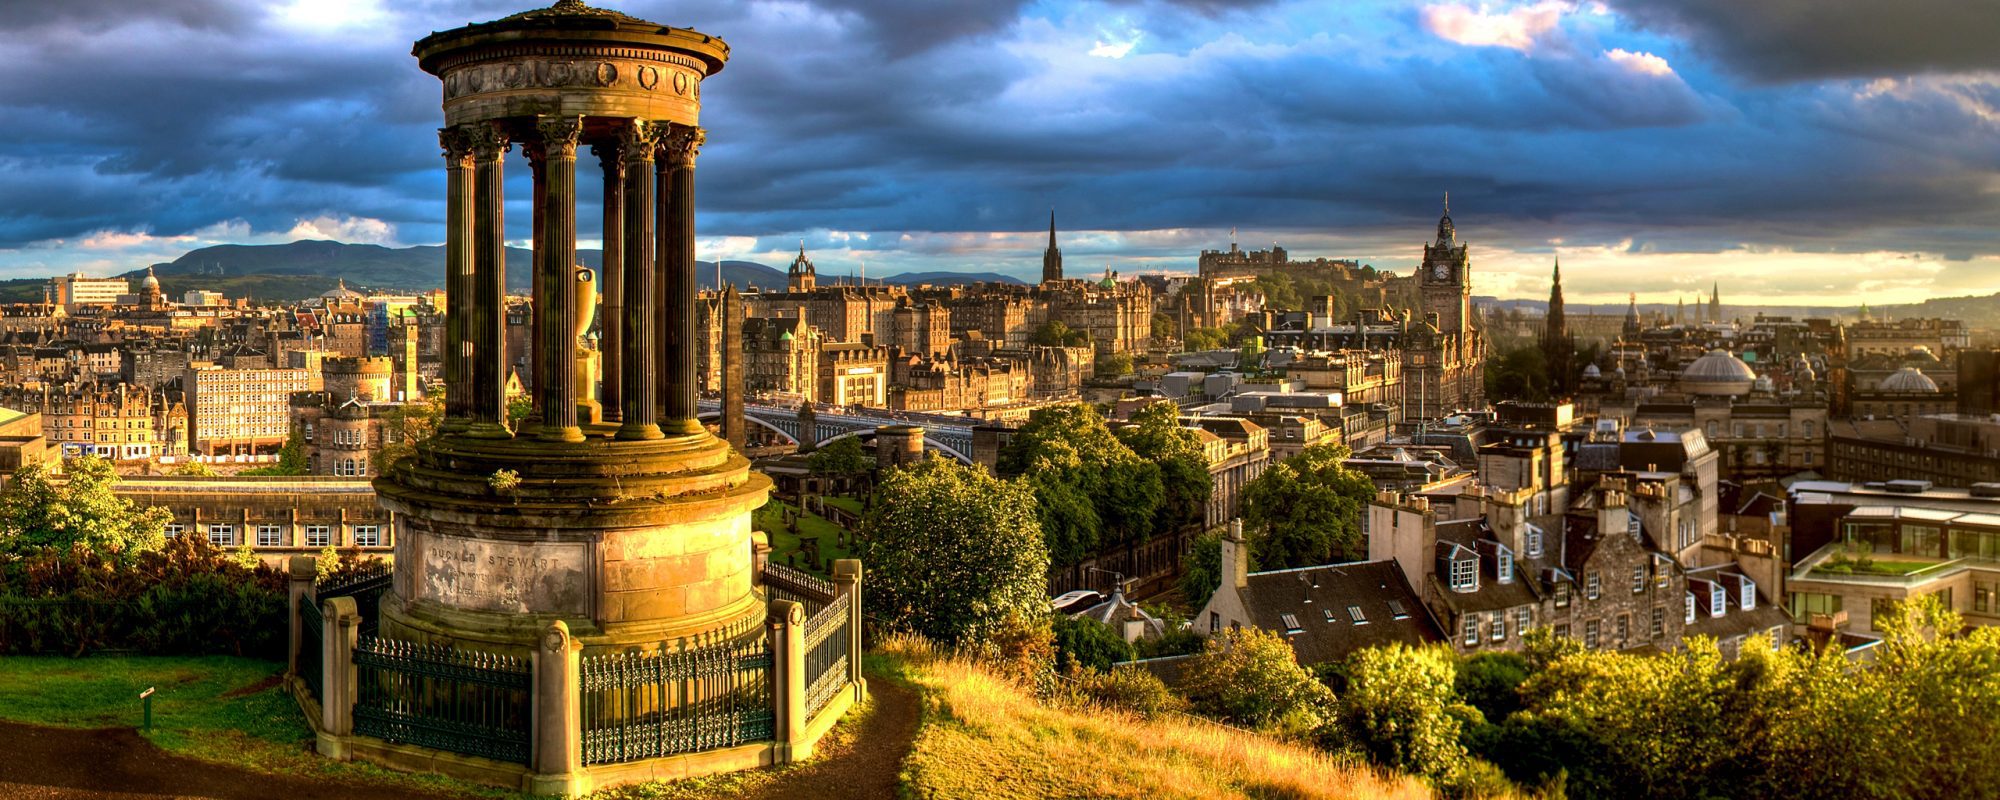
(1632, 325)
(1558, 345)
(1052, 257)
(1446, 278)
(802, 277)
(1680, 311)
(1714, 302)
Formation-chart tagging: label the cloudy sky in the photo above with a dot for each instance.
(1797, 151)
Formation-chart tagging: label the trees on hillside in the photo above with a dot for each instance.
(1304, 509)
(1399, 708)
(1090, 489)
(952, 552)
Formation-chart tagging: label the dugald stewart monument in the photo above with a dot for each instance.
(577, 598)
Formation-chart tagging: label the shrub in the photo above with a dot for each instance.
(1131, 689)
(1251, 676)
(1087, 643)
(186, 598)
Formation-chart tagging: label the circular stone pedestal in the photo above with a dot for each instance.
(635, 545)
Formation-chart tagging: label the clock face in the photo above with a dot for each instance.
(1442, 271)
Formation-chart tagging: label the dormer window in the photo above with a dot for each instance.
(1747, 595)
(1503, 565)
(1534, 544)
(1718, 600)
(1464, 572)
(1690, 608)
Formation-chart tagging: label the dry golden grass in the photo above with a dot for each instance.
(984, 737)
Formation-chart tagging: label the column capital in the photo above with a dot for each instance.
(682, 145)
(639, 139)
(611, 157)
(456, 143)
(559, 134)
(487, 141)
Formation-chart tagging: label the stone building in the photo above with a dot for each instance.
(108, 420)
(342, 425)
(1325, 613)
(852, 374)
(276, 517)
(239, 410)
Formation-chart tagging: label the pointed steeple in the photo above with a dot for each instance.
(1052, 257)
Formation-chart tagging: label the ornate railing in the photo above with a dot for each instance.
(463, 701)
(785, 583)
(648, 705)
(312, 647)
(827, 652)
(366, 588)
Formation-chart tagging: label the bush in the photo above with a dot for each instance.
(1131, 689)
(1087, 643)
(1251, 677)
(186, 598)
(1491, 682)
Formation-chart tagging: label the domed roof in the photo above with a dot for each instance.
(1909, 379)
(152, 282)
(1591, 371)
(340, 292)
(1718, 372)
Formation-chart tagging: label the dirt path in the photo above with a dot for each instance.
(117, 764)
(863, 768)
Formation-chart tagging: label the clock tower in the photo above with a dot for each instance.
(1445, 278)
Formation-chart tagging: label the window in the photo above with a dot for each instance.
(1214, 622)
(1353, 613)
(367, 536)
(1982, 596)
(269, 536)
(1291, 624)
(175, 529)
(1524, 618)
(1562, 593)
(1690, 609)
(319, 536)
(1638, 578)
(1718, 601)
(1747, 594)
(1471, 629)
(1562, 630)
(1534, 542)
(1624, 628)
(1590, 635)
(1503, 568)
(1396, 610)
(1659, 622)
(1464, 574)
(1592, 586)
(1328, 612)
(222, 535)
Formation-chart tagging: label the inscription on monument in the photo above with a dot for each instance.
(483, 575)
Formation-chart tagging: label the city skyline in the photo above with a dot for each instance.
(1653, 150)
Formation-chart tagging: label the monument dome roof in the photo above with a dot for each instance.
(1718, 372)
(1909, 379)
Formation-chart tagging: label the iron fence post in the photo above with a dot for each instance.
(847, 581)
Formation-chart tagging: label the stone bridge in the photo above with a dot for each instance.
(951, 436)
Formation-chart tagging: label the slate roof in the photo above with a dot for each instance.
(1297, 603)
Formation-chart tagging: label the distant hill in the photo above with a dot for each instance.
(943, 278)
(304, 269)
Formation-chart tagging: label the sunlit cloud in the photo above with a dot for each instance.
(1516, 29)
(1641, 63)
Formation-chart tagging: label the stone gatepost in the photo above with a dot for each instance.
(786, 625)
(760, 556)
(847, 583)
(558, 749)
(336, 708)
(302, 571)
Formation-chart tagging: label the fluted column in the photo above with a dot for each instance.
(458, 280)
(555, 301)
(488, 309)
(611, 291)
(683, 146)
(641, 400)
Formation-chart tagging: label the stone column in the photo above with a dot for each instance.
(336, 707)
(641, 410)
(611, 291)
(663, 216)
(555, 298)
(683, 146)
(458, 278)
(847, 582)
(786, 626)
(489, 301)
(301, 570)
(730, 306)
(558, 746)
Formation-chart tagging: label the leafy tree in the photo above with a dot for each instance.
(291, 458)
(1201, 569)
(1163, 327)
(1398, 708)
(1114, 365)
(1087, 643)
(1519, 374)
(192, 469)
(842, 457)
(1491, 683)
(1090, 489)
(405, 425)
(1056, 333)
(1305, 508)
(1199, 339)
(1250, 676)
(952, 552)
(78, 510)
(1156, 435)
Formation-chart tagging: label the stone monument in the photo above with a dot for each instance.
(635, 531)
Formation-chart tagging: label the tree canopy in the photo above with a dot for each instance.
(1090, 489)
(40, 510)
(1304, 509)
(843, 456)
(1156, 435)
(952, 552)
(1056, 333)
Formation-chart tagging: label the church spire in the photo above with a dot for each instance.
(1052, 257)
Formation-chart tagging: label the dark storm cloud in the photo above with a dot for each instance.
(1787, 40)
(27, 15)
(907, 27)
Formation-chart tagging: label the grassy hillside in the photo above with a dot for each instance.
(985, 737)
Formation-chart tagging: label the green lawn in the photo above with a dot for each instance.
(849, 504)
(785, 541)
(1878, 566)
(203, 707)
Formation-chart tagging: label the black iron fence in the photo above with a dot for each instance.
(462, 701)
(366, 588)
(312, 647)
(648, 705)
(785, 583)
(828, 650)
